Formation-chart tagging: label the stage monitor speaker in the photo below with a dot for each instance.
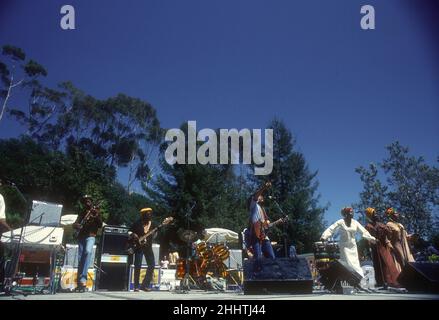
(279, 276)
(420, 277)
(339, 272)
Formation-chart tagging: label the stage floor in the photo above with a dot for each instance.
(203, 295)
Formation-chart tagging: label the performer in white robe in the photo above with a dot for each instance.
(348, 228)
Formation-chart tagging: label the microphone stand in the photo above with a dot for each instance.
(13, 267)
(185, 282)
(284, 227)
(15, 264)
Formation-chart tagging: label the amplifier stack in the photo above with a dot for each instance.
(113, 259)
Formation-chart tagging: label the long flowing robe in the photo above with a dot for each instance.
(401, 249)
(383, 260)
(348, 243)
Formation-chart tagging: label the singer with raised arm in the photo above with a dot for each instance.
(258, 222)
(348, 228)
(87, 225)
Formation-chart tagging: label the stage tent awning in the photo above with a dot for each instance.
(68, 219)
(34, 236)
(220, 235)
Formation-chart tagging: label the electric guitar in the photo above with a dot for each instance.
(247, 231)
(135, 243)
(87, 218)
(275, 223)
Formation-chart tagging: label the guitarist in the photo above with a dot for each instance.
(87, 230)
(138, 229)
(260, 244)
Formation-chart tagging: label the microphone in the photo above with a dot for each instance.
(9, 182)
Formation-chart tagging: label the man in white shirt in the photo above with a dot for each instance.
(3, 224)
(3, 227)
(2, 208)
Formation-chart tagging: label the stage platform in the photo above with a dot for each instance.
(203, 295)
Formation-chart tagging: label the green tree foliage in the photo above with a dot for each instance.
(16, 73)
(295, 188)
(374, 192)
(215, 190)
(408, 184)
(47, 175)
(122, 131)
(75, 143)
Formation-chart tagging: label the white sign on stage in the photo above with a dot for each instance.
(45, 214)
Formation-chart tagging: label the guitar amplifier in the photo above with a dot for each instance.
(113, 259)
(114, 240)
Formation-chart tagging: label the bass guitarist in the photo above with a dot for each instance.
(87, 225)
(139, 229)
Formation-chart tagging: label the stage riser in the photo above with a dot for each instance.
(255, 287)
(279, 276)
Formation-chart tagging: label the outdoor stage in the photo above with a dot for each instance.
(203, 295)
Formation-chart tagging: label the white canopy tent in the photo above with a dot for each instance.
(217, 235)
(69, 219)
(34, 236)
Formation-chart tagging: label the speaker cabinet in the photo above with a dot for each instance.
(420, 277)
(336, 273)
(113, 259)
(113, 276)
(282, 275)
(114, 240)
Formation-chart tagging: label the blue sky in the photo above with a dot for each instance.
(345, 93)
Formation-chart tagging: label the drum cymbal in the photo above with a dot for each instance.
(187, 235)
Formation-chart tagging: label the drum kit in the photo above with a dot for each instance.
(324, 253)
(205, 260)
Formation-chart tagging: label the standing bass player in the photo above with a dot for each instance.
(87, 225)
(140, 245)
(139, 229)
